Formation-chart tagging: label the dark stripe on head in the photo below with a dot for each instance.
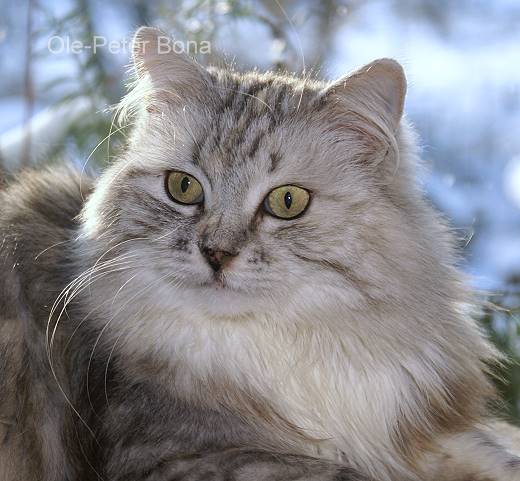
(275, 158)
(513, 463)
(195, 155)
(255, 144)
(147, 226)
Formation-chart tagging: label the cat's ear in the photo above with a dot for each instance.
(379, 88)
(157, 56)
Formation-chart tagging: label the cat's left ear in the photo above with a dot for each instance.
(157, 56)
(378, 87)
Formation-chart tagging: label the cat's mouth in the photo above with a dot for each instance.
(219, 282)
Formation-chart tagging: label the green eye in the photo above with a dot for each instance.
(287, 201)
(183, 188)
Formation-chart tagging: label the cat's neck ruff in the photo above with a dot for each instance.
(344, 386)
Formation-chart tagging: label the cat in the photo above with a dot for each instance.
(255, 290)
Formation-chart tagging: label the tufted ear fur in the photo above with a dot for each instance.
(378, 88)
(157, 57)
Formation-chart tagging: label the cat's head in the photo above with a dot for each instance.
(241, 193)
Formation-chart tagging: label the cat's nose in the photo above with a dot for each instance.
(217, 259)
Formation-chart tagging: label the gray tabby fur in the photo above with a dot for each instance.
(339, 345)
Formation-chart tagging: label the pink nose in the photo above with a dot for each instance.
(217, 259)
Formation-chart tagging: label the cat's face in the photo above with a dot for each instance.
(249, 193)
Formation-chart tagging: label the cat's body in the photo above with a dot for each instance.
(336, 345)
(127, 424)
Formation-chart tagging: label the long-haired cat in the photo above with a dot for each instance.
(256, 290)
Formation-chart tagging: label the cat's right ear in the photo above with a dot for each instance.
(378, 88)
(158, 57)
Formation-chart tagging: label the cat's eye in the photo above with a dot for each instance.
(287, 201)
(184, 188)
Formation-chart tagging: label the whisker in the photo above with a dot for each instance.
(78, 280)
(49, 345)
(108, 136)
(293, 28)
(156, 281)
(52, 246)
(115, 247)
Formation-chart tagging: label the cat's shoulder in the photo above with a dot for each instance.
(38, 222)
(50, 196)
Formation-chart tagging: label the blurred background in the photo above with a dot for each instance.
(63, 64)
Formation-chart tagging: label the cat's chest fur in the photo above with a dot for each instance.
(304, 388)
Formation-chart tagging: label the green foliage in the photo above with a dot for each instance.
(502, 321)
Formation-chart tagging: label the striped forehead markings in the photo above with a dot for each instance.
(244, 106)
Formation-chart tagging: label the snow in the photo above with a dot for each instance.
(512, 180)
(47, 128)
